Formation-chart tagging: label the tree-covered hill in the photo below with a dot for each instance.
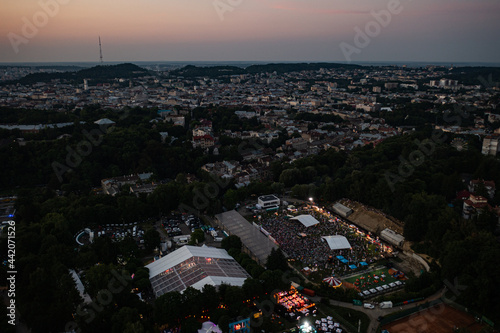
(486, 76)
(287, 68)
(191, 71)
(102, 73)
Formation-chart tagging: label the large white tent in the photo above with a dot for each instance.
(337, 242)
(306, 220)
(192, 266)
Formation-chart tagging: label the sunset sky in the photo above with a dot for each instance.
(248, 30)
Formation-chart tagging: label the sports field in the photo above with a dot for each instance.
(373, 279)
(438, 319)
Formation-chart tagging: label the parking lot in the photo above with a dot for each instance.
(115, 232)
(176, 230)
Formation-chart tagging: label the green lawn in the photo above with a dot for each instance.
(370, 281)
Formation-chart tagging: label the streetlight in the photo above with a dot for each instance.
(306, 328)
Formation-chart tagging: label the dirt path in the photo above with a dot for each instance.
(371, 219)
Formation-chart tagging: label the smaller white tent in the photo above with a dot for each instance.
(104, 121)
(337, 242)
(306, 220)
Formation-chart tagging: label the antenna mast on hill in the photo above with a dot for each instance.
(100, 49)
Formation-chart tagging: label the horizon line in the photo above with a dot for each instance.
(449, 63)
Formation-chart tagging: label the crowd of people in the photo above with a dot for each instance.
(307, 245)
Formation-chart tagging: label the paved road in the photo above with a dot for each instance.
(373, 314)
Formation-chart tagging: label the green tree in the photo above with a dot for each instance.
(169, 308)
(191, 301)
(278, 187)
(197, 237)
(166, 197)
(151, 239)
(230, 199)
(446, 220)
(190, 325)
(272, 280)
(181, 178)
(231, 242)
(290, 177)
(136, 327)
(423, 208)
(124, 317)
(210, 298)
(252, 288)
(98, 277)
(304, 191)
(256, 271)
(277, 260)
(234, 298)
(224, 322)
(57, 225)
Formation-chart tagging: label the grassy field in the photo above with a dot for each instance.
(369, 281)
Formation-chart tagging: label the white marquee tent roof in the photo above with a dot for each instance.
(182, 254)
(306, 220)
(196, 267)
(104, 121)
(218, 280)
(337, 242)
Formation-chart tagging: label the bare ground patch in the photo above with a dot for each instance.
(438, 319)
(371, 219)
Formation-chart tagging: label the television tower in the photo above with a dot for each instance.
(100, 49)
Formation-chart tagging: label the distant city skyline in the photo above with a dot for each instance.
(449, 31)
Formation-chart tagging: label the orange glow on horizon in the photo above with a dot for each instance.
(250, 29)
